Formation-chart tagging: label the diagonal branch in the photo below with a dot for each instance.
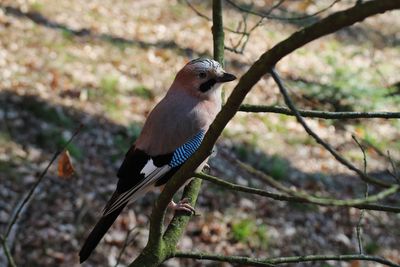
(318, 139)
(28, 197)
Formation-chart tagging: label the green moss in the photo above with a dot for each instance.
(242, 230)
(248, 231)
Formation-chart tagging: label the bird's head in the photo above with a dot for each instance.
(201, 77)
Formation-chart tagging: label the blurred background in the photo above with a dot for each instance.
(106, 64)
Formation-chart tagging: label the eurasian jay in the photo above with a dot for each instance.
(172, 132)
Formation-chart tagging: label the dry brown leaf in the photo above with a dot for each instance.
(355, 263)
(65, 168)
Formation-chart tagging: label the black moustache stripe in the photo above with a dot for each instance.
(204, 87)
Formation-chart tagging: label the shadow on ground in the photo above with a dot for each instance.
(68, 208)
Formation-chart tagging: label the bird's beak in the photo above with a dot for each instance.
(226, 77)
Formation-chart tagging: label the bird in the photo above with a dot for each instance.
(172, 132)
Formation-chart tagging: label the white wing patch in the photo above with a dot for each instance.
(148, 168)
(151, 174)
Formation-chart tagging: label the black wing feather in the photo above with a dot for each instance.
(129, 176)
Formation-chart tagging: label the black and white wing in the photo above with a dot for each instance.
(139, 172)
(136, 175)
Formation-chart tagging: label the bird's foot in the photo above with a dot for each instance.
(182, 205)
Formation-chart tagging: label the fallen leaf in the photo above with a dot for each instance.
(65, 168)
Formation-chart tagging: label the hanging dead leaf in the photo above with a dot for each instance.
(355, 263)
(65, 168)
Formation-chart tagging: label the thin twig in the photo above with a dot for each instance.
(360, 219)
(359, 203)
(268, 16)
(296, 192)
(335, 154)
(204, 16)
(7, 252)
(27, 198)
(126, 243)
(241, 44)
(318, 114)
(244, 39)
(282, 260)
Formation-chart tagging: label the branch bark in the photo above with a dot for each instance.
(319, 114)
(282, 260)
(359, 203)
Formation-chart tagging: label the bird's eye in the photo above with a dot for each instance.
(202, 75)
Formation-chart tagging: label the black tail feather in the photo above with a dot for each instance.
(97, 233)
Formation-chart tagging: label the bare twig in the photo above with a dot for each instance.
(27, 198)
(204, 16)
(282, 260)
(268, 16)
(319, 114)
(359, 203)
(241, 44)
(335, 154)
(360, 219)
(7, 252)
(125, 245)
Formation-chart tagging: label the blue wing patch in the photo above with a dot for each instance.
(183, 152)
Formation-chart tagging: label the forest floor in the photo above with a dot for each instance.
(106, 63)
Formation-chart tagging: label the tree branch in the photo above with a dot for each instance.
(326, 26)
(359, 203)
(282, 260)
(317, 113)
(360, 219)
(336, 155)
(160, 245)
(198, 13)
(218, 31)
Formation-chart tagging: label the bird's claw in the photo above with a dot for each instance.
(182, 205)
